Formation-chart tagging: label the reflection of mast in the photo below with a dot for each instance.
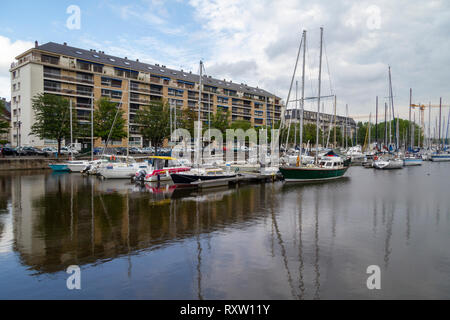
(316, 243)
(387, 247)
(300, 251)
(199, 256)
(92, 218)
(283, 252)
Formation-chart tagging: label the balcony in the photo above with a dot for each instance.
(67, 78)
(141, 101)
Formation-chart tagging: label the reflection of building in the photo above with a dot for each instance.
(325, 120)
(55, 224)
(26, 220)
(83, 75)
(5, 115)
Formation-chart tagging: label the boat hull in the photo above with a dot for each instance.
(440, 158)
(188, 179)
(388, 165)
(412, 162)
(117, 172)
(59, 167)
(301, 174)
(77, 167)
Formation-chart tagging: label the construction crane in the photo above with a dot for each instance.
(422, 107)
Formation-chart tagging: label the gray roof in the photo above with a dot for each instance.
(102, 58)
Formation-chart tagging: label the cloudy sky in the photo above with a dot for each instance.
(256, 42)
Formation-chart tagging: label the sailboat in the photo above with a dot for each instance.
(328, 167)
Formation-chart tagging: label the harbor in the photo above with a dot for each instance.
(224, 159)
(264, 240)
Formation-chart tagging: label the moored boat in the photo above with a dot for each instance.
(59, 167)
(440, 157)
(328, 168)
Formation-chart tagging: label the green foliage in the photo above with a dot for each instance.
(106, 114)
(52, 118)
(154, 122)
(241, 124)
(220, 120)
(187, 120)
(404, 132)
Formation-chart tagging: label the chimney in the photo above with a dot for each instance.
(137, 60)
(126, 58)
(36, 44)
(65, 43)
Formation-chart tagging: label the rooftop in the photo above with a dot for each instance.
(101, 58)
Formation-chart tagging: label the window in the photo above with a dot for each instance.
(111, 82)
(49, 59)
(111, 94)
(98, 68)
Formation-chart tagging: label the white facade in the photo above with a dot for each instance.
(26, 82)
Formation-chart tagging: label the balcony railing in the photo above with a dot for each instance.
(67, 78)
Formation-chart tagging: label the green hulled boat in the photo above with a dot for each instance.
(328, 169)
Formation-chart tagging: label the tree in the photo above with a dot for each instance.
(241, 124)
(154, 122)
(187, 120)
(4, 125)
(109, 121)
(52, 118)
(220, 120)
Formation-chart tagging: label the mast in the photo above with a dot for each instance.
(370, 125)
(335, 107)
(429, 125)
(392, 106)
(385, 125)
(440, 116)
(346, 127)
(92, 126)
(303, 96)
(199, 113)
(410, 125)
(296, 115)
(71, 132)
(376, 122)
(282, 119)
(318, 98)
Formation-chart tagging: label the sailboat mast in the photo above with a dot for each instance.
(385, 124)
(296, 114)
(440, 116)
(410, 125)
(335, 107)
(376, 121)
(199, 113)
(303, 96)
(71, 132)
(318, 98)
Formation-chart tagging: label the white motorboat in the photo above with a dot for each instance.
(385, 164)
(411, 160)
(77, 166)
(159, 169)
(440, 157)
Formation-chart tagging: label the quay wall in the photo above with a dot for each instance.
(11, 164)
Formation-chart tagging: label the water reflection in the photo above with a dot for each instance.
(267, 241)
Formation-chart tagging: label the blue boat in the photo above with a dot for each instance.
(59, 167)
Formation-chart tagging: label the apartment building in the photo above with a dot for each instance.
(85, 76)
(344, 123)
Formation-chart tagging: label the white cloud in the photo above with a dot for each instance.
(9, 50)
(411, 37)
